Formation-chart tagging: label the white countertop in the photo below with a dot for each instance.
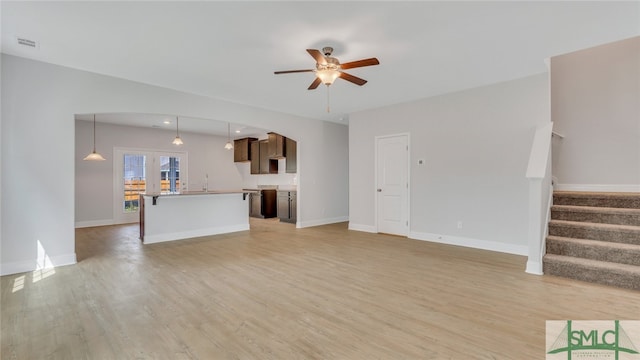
(201, 192)
(288, 187)
(274, 187)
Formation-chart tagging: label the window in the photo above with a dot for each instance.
(169, 174)
(134, 180)
(142, 171)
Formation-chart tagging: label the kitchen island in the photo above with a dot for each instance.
(168, 217)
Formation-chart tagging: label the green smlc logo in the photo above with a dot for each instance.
(570, 340)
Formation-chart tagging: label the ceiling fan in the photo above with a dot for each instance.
(328, 68)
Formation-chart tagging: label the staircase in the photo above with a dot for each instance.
(595, 237)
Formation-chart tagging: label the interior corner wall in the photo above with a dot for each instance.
(39, 101)
(595, 104)
(475, 145)
(1, 166)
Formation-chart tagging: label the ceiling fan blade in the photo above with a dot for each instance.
(318, 56)
(360, 63)
(354, 79)
(291, 71)
(315, 84)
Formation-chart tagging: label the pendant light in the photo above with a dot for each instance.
(177, 141)
(229, 144)
(94, 156)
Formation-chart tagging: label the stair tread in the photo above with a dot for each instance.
(596, 209)
(599, 194)
(598, 238)
(595, 243)
(583, 224)
(593, 263)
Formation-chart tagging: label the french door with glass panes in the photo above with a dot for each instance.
(142, 171)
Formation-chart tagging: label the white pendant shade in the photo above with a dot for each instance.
(328, 76)
(229, 144)
(94, 156)
(178, 140)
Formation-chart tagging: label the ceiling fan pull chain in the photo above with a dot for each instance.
(328, 107)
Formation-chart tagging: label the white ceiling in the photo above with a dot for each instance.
(229, 50)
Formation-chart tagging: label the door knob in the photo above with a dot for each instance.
(379, 190)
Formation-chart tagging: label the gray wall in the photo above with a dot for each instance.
(39, 101)
(595, 104)
(476, 146)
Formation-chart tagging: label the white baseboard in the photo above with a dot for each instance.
(364, 228)
(472, 243)
(534, 267)
(597, 187)
(32, 265)
(310, 223)
(156, 238)
(92, 223)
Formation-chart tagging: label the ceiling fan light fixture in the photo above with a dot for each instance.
(328, 76)
(329, 68)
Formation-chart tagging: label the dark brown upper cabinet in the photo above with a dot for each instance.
(291, 148)
(260, 162)
(276, 146)
(242, 149)
(255, 156)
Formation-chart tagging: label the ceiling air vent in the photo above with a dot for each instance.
(27, 42)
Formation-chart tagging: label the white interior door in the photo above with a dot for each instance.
(392, 158)
(130, 179)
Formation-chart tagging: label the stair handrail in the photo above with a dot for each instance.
(540, 195)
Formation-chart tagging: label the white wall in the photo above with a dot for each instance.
(1, 157)
(252, 181)
(475, 145)
(39, 101)
(595, 104)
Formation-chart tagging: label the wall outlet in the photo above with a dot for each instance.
(459, 224)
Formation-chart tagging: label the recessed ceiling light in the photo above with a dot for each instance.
(166, 122)
(237, 131)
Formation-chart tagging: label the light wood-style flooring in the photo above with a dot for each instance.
(277, 292)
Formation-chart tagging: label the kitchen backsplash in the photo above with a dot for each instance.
(250, 181)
